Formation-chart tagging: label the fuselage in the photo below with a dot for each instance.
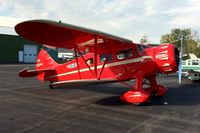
(121, 64)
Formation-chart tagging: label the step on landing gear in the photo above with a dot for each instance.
(156, 90)
(160, 91)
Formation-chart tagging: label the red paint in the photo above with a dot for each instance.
(139, 64)
(135, 96)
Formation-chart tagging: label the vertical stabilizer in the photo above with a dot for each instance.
(45, 62)
(192, 56)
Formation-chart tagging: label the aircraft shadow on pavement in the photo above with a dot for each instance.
(115, 101)
(182, 95)
(109, 88)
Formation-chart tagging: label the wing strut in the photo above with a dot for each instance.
(75, 51)
(85, 61)
(103, 67)
(95, 55)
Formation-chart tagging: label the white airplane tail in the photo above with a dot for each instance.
(192, 56)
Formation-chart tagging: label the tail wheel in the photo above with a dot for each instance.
(50, 86)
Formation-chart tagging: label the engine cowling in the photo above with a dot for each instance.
(166, 57)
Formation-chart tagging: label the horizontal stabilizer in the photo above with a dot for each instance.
(32, 73)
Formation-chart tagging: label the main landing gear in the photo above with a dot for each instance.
(138, 94)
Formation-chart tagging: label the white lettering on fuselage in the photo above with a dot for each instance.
(39, 64)
(73, 65)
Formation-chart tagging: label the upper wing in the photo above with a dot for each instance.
(67, 36)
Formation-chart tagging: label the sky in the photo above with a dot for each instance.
(130, 19)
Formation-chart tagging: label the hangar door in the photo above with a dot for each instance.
(30, 53)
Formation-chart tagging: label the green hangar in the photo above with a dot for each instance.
(15, 49)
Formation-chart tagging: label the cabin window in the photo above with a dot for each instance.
(81, 53)
(124, 53)
(90, 61)
(189, 62)
(195, 62)
(104, 56)
(141, 47)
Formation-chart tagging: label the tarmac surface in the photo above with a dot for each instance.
(27, 105)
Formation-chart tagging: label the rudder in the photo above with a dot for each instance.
(45, 62)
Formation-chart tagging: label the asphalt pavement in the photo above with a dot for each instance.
(28, 105)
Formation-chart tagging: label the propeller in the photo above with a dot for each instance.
(180, 61)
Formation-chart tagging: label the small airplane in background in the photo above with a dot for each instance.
(191, 67)
(99, 58)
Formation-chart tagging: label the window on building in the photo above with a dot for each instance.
(104, 56)
(124, 53)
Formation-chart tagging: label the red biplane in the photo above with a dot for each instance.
(106, 58)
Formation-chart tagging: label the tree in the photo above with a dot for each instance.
(190, 40)
(144, 40)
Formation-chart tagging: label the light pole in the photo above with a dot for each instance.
(180, 60)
